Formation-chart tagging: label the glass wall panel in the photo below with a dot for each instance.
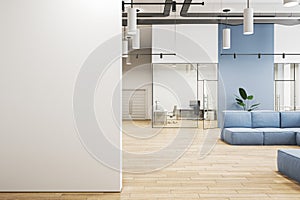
(207, 72)
(285, 100)
(284, 72)
(185, 95)
(285, 87)
(210, 103)
(175, 95)
(297, 86)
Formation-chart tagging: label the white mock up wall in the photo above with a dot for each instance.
(286, 40)
(43, 45)
(192, 43)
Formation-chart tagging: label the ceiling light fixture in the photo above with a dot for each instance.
(124, 45)
(128, 60)
(226, 33)
(136, 40)
(125, 48)
(174, 6)
(132, 20)
(290, 3)
(248, 20)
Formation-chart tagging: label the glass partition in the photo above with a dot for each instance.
(285, 87)
(208, 92)
(297, 86)
(185, 95)
(175, 102)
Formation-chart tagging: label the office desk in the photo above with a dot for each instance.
(185, 113)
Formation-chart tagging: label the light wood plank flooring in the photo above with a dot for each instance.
(227, 172)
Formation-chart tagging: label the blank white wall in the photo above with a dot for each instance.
(43, 45)
(286, 40)
(192, 43)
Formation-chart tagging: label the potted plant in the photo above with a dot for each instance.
(245, 101)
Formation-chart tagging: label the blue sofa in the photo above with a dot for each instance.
(288, 163)
(261, 128)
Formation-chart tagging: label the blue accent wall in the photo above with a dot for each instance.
(249, 72)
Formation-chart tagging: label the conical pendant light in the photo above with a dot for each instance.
(290, 3)
(248, 20)
(226, 33)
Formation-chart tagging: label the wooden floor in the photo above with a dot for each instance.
(226, 172)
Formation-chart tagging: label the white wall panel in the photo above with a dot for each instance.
(43, 46)
(286, 40)
(191, 43)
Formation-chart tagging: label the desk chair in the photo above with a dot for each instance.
(171, 115)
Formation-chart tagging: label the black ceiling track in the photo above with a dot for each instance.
(166, 12)
(232, 22)
(203, 18)
(259, 55)
(161, 55)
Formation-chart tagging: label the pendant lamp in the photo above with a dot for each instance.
(132, 21)
(248, 20)
(136, 40)
(226, 33)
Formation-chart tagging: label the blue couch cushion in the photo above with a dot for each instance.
(278, 136)
(265, 119)
(237, 119)
(296, 130)
(288, 163)
(290, 119)
(298, 138)
(243, 136)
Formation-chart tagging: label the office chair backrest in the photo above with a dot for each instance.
(174, 110)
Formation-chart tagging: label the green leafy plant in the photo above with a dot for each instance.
(244, 100)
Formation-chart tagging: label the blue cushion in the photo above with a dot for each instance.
(288, 163)
(243, 136)
(298, 138)
(265, 119)
(296, 130)
(290, 119)
(278, 136)
(237, 119)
